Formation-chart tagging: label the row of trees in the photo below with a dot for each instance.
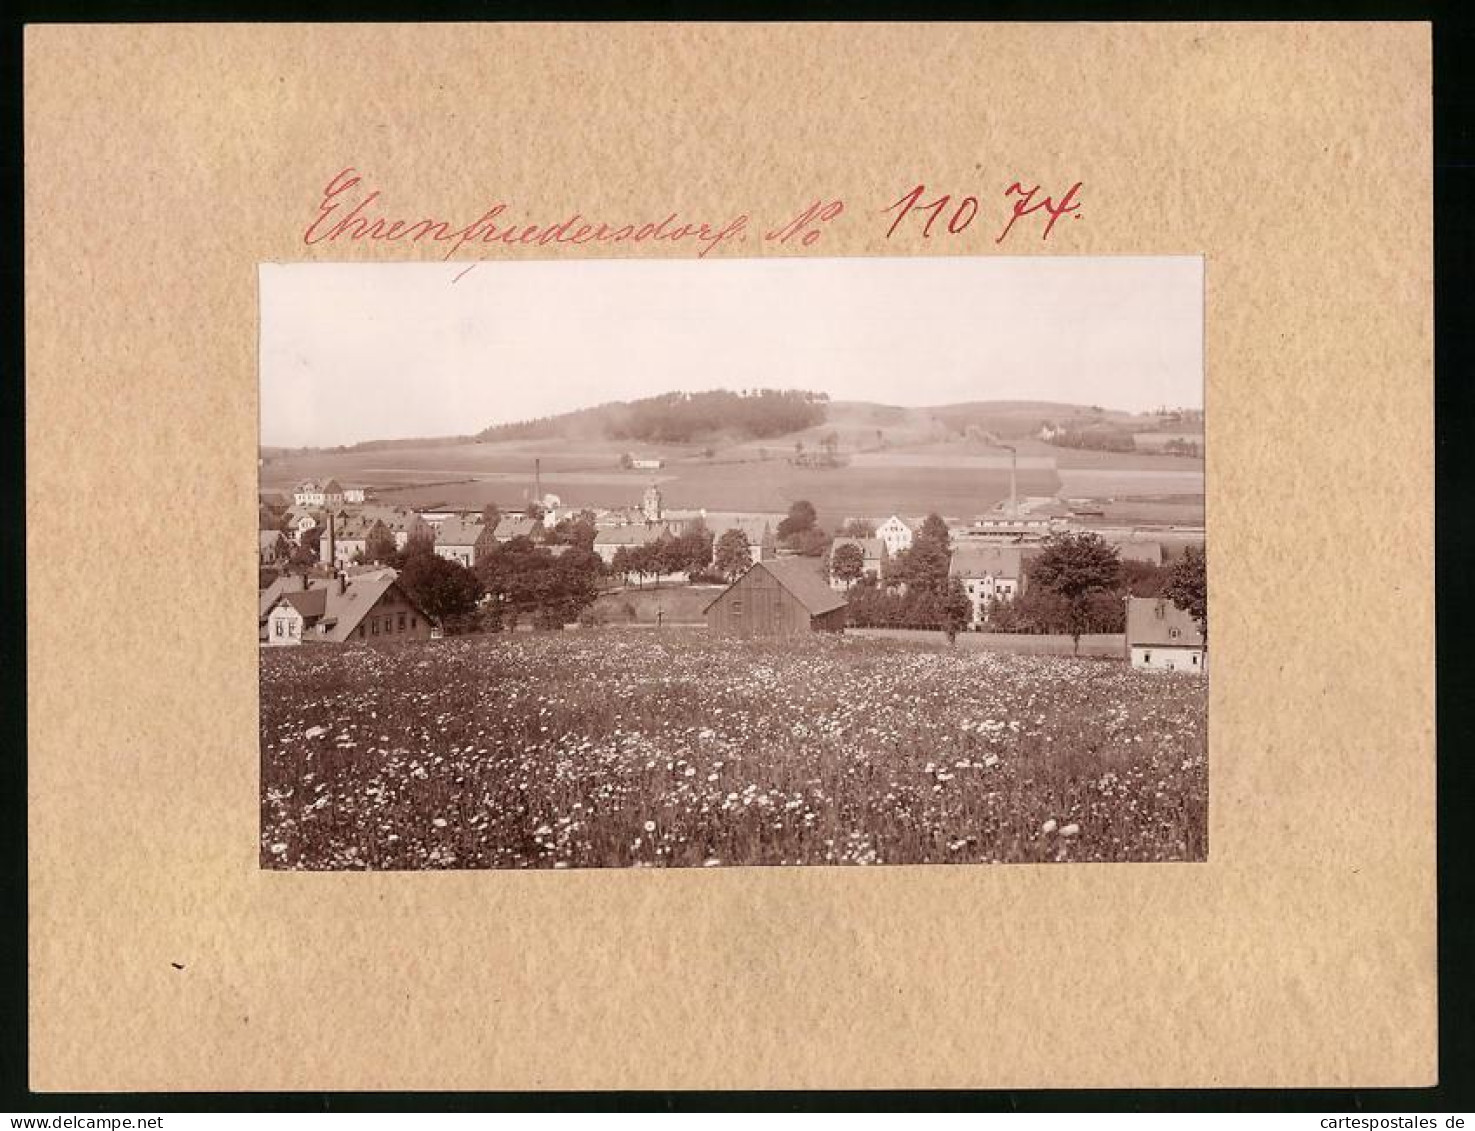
(676, 418)
(689, 553)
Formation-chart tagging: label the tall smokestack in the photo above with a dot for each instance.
(1013, 483)
(332, 543)
(537, 480)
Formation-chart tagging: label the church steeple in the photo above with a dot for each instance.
(652, 504)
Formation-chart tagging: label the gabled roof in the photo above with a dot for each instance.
(1155, 620)
(632, 535)
(309, 602)
(457, 531)
(802, 578)
(869, 547)
(342, 606)
(988, 561)
(757, 529)
(514, 526)
(332, 487)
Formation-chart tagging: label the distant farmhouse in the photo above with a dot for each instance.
(334, 610)
(329, 493)
(783, 597)
(873, 554)
(989, 573)
(1162, 637)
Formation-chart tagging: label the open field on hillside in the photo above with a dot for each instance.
(641, 748)
(680, 604)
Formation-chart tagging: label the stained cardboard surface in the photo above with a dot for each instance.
(164, 163)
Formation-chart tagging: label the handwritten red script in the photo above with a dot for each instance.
(350, 212)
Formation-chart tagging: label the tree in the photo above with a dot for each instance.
(934, 529)
(1075, 567)
(732, 555)
(491, 514)
(694, 549)
(847, 563)
(419, 544)
(810, 543)
(858, 528)
(441, 587)
(306, 554)
(1188, 587)
(957, 610)
(379, 544)
(801, 517)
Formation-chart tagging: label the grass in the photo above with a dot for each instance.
(609, 748)
(681, 604)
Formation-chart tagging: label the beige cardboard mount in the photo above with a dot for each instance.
(163, 164)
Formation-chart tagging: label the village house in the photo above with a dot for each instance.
(401, 522)
(756, 529)
(873, 555)
(897, 533)
(313, 493)
(335, 610)
(647, 463)
(988, 573)
(463, 540)
(1162, 637)
(511, 526)
(607, 542)
(783, 597)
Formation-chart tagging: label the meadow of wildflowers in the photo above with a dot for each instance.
(621, 748)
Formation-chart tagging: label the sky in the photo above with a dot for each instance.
(367, 351)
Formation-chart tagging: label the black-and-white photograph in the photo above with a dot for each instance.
(691, 563)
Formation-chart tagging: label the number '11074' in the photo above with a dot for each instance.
(957, 215)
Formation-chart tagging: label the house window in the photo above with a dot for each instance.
(1147, 657)
(1194, 659)
(374, 626)
(361, 632)
(737, 610)
(402, 622)
(1173, 632)
(412, 622)
(281, 628)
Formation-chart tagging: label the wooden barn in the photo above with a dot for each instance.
(783, 597)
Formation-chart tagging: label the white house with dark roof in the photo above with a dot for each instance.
(1162, 637)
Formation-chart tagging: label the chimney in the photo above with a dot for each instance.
(332, 556)
(1013, 483)
(342, 583)
(305, 586)
(538, 480)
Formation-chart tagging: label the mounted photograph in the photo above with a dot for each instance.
(726, 563)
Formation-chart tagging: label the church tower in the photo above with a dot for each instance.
(652, 504)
